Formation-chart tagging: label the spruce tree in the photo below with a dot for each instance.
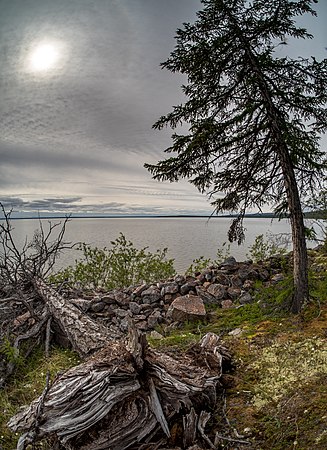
(253, 116)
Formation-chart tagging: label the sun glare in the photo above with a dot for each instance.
(44, 57)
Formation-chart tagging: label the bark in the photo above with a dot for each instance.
(126, 395)
(84, 334)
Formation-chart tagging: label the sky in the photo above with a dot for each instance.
(80, 87)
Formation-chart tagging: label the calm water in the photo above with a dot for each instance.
(186, 239)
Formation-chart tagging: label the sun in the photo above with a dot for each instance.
(44, 57)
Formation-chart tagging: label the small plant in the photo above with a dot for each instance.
(120, 266)
(201, 263)
(274, 245)
(11, 353)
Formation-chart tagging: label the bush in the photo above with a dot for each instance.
(275, 245)
(120, 266)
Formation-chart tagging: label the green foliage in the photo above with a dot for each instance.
(239, 90)
(201, 263)
(263, 249)
(120, 266)
(11, 353)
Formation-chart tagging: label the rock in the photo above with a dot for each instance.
(264, 275)
(121, 298)
(248, 284)
(169, 288)
(217, 290)
(236, 281)
(154, 319)
(135, 308)
(234, 293)
(188, 307)
(277, 278)
(207, 298)
(179, 279)
(155, 335)
(139, 289)
(245, 298)
(230, 261)
(236, 332)
(151, 295)
(221, 278)
(226, 304)
(108, 300)
(247, 273)
(122, 313)
(140, 317)
(187, 287)
(143, 325)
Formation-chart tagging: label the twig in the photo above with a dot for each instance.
(48, 337)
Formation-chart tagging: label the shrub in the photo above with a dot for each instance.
(274, 245)
(120, 266)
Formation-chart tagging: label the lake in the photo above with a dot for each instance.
(186, 238)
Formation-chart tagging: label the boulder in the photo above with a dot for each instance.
(188, 307)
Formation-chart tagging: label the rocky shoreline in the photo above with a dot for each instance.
(181, 298)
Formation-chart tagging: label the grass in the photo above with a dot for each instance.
(28, 383)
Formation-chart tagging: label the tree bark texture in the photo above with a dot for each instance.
(126, 395)
(84, 334)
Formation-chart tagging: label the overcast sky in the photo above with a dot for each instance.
(80, 87)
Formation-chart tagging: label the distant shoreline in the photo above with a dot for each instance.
(44, 217)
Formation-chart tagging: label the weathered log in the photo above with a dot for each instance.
(85, 335)
(127, 395)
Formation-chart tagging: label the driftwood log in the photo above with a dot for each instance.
(127, 395)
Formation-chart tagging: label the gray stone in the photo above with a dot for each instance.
(234, 293)
(135, 308)
(245, 298)
(169, 288)
(139, 289)
(217, 290)
(179, 279)
(152, 321)
(121, 298)
(140, 317)
(124, 325)
(236, 281)
(143, 325)
(189, 286)
(121, 312)
(108, 300)
(207, 298)
(188, 307)
(236, 332)
(230, 261)
(248, 284)
(155, 335)
(151, 295)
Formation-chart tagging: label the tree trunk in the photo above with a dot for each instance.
(300, 256)
(127, 396)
